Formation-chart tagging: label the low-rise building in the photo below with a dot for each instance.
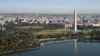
(68, 25)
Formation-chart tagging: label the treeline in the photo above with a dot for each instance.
(16, 41)
(23, 40)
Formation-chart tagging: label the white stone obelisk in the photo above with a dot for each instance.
(75, 20)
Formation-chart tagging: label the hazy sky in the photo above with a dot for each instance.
(49, 6)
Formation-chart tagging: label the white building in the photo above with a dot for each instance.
(75, 20)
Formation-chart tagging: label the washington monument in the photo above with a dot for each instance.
(75, 20)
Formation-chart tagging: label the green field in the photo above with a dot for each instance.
(52, 32)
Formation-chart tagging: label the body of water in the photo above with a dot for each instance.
(63, 49)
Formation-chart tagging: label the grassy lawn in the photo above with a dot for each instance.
(34, 30)
(52, 32)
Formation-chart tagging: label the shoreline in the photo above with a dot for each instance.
(42, 44)
(20, 50)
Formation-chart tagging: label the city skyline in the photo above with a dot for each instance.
(49, 6)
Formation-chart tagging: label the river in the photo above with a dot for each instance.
(63, 49)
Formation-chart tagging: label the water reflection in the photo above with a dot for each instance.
(75, 48)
